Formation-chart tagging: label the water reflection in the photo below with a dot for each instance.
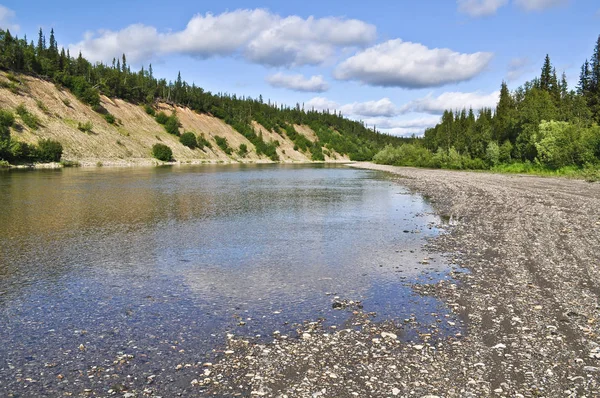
(147, 256)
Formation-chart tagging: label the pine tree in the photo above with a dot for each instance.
(546, 77)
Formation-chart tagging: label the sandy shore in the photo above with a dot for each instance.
(530, 301)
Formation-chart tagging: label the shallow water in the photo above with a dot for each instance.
(161, 263)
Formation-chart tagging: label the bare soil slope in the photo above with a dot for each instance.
(130, 140)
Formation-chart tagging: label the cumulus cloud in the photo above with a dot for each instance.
(321, 104)
(380, 108)
(315, 84)
(538, 5)
(480, 8)
(258, 35)
(383, 107)
(452, 100)
(404, 127)
(6, 19)
(396, 63)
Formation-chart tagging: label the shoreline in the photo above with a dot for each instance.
(149, 162)
(531, 299)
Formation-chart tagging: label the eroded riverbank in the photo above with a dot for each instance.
(531, 300)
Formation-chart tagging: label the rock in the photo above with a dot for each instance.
(395, 391)
(390, 335)
(499, 347)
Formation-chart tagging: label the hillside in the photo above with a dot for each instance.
(130, 139)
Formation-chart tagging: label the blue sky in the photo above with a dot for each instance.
(396, 64)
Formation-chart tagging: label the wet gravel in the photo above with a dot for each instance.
(528, 288)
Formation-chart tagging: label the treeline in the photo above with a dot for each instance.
(542, 124)
(87, 81)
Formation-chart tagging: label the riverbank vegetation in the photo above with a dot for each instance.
(541, 127)
(44, 58)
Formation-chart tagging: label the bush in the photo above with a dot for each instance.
(243, 150)
(42, 107)
(404, 155)
(110, 119)
(85, 127)
(189, 140)
(7, 119)
(149, 110)
(162, 152)
(222, 143)
(21, 151)
(28, 118)
(203, 142)
(172, 125)
(161, 118)
(492, 154)
(49, 151)
(67, 102)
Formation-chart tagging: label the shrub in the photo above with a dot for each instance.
(172, 125)
(162, 152)
(110, 119)
(404, 155)
(67, 102)
(222, 143)
(492, 154)
(243, 150)
(42, 107)
(85, 127)
(189, 140)
(21, 151)
(28, 118)
(202, 142)
(49, 151)
(161, 118)
(7, 119)
(149, 110)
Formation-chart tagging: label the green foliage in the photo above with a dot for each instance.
(149, 110)
(66, 102)
(49, 150)
(161, 118)
(405, 155)
(42, 107)
(189, 139)
(492, 154)
(561, 144)
(27, 117)
(85, 127)
(70, 163)
(202, 142)
(317, 152)
(243, 150)
(172, 125)
(222, 143)
(7, 119)
(110, 119)
(162, 152)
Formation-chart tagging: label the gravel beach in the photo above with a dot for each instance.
(528, 291)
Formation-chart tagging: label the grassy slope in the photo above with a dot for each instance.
(130, 141)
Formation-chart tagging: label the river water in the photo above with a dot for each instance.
(139, 270)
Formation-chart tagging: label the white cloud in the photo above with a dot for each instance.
(314, 84)
(537, 5)
(480, 8)
(321, 104)
(452, 101)
(403, 127)
(6, 17)
(258, 35)
(383, 107)
(396, 63)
